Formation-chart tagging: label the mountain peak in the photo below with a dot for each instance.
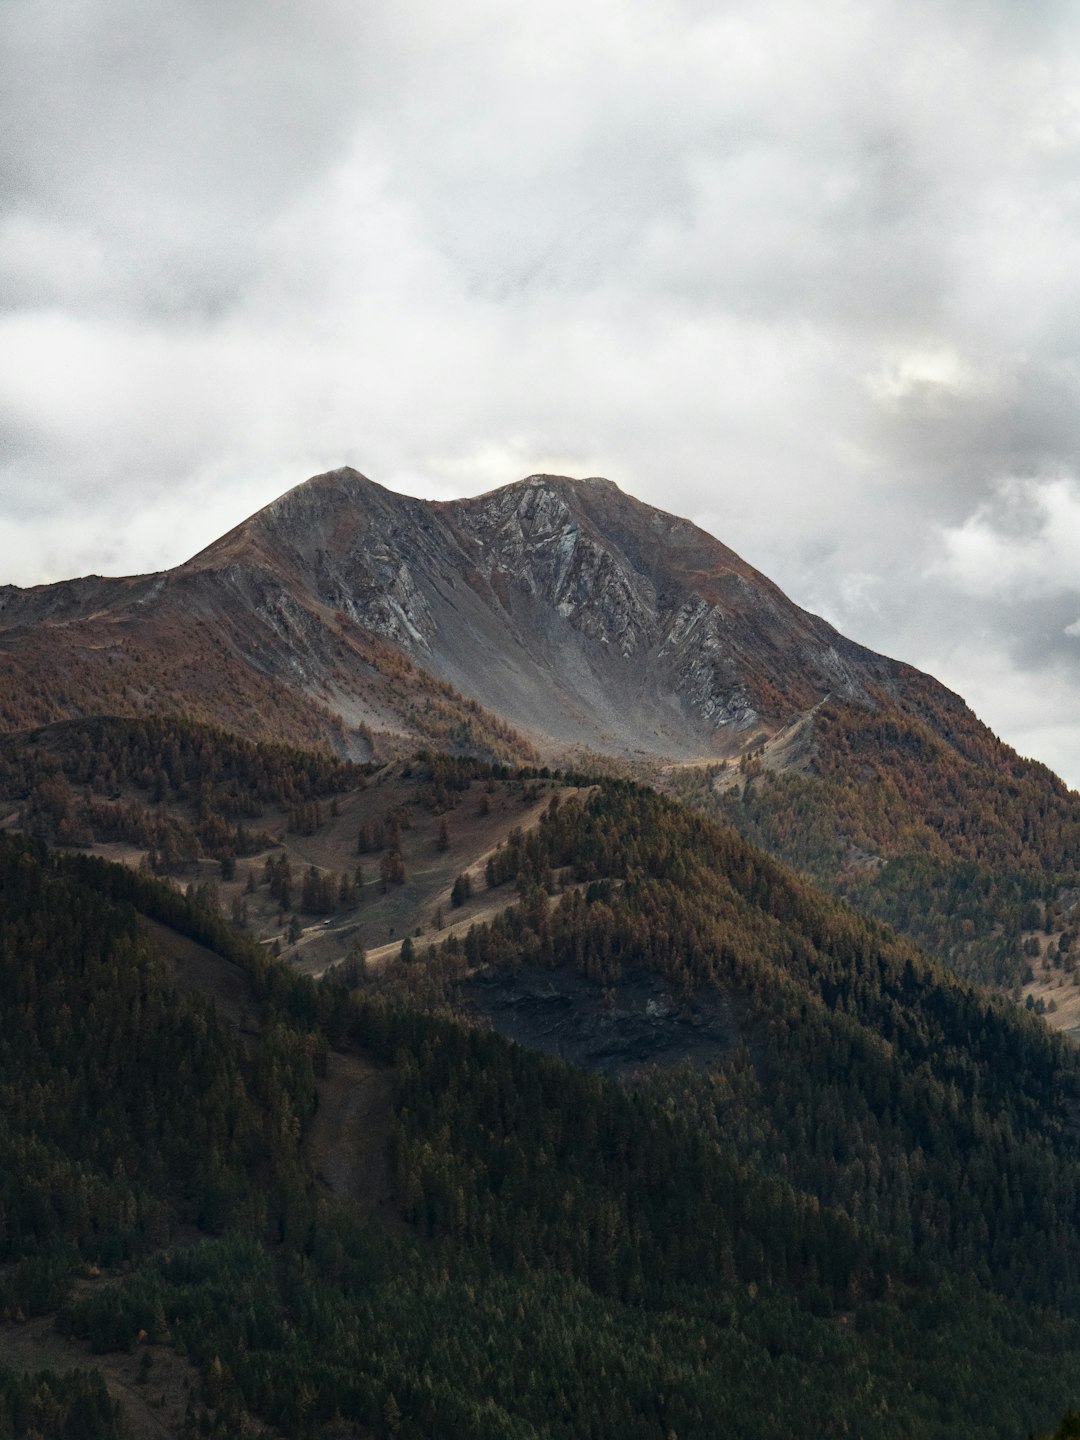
(578, 613)
(587, 481)
(563, 486)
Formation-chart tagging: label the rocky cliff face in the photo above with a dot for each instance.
(572, 611)
(577, 612)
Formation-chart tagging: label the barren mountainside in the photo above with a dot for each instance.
(575, 611)
(571, 611)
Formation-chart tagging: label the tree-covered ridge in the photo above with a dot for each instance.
(169, 784)
(590, 1261)
(188, 789)
(125, 1108)
(607, 1185)
(46, 1406)
(429, 1340)
(171, 758)
(961, 795)
(919, 1105)
(939, 828)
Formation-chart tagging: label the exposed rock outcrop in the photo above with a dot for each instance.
(563, 608)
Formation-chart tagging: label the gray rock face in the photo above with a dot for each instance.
(576, 612)
(572, 611)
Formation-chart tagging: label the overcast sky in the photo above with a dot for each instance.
(809, 274)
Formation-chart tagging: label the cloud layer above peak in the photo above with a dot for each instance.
(809, 275)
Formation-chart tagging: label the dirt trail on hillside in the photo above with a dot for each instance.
(381, 915)
(482, 906)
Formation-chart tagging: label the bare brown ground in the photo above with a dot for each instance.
(349, 1137)
(380, 921)
(1055, 985)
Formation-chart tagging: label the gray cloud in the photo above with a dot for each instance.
(810, 277)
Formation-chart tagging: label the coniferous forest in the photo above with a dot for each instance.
(931, 833)
(857, 1218)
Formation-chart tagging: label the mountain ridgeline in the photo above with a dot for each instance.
(577, 614)
(555, 618)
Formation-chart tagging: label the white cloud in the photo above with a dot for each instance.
(907, 373)
(1024, 543)
(809, 276)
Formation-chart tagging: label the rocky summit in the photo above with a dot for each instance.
(560, 609)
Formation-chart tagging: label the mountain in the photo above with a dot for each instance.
(245, 636)
(575, 613)
(555, 616)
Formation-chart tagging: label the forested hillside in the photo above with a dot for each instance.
(859, 1070)
(694, 1255)
(162, 783)
(951, 837)
(319, 856)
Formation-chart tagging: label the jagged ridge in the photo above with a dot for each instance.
(573, 612)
